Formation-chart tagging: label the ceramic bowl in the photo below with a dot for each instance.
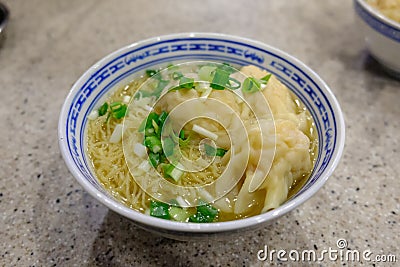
(381, 34)
(120, 66)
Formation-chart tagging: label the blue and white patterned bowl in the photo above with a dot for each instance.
(120, 66)
(382, 36)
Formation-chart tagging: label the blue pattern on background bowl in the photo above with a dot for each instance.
(121, 66)
(382, 36)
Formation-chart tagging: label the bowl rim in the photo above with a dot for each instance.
(6, 14)
(215, 227)
(378, 15)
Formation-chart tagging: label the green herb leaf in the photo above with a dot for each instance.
(154, 159)
(206, 213)
(186, 83)
(170, 171)
(153, 143)
(179, 214)
(228, 68)
(265, 79)
(103, 109)
(206, 209)
(220, 80)
(220, 152)
(236, 84)
(210, 150)
(159, 210)
(206, 73)
(182, 134)
(151, 73)
(118, 110)
(177, 75)
(168, 147)
(250, 85)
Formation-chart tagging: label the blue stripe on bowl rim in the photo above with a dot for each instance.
(377, 23)
(191, 39)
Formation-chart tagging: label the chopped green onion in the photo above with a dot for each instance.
(159, 210)
(170, 171)
(182, 134)
(236, 84)
(184, 142)
(142, 126)
(205, 213)
(177, 75)
(160, 87)
(174, 202)
(154, 159)
(149, 132)
(161, 119)
(198, 218)
(250, 85)
(228, 68)
(147, 124)
(221, 78)
(153, 143)
(172, 67)
(118, 110)
(151, 73)
(265, 79)
(179, 214)
(212, 151)
(207, 210)
(156, 92)
(206, 73)
(168, 147)
(103, 109)
(220, 152)
(186, 83)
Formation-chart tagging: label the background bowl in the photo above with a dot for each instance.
(4, 14)
(121, 66)
(382, 36)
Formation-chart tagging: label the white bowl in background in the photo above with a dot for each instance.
(120, 66)
(382, 35)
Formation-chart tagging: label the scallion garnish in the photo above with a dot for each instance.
(236, 84)
(118, 110)
(154, 159)
(179, 214)
(182, 134)
(103, 109)
(171, 171)
(168, 146)
(265, 79)
(177, 75)
(250, 85)
(212, 151)
(220, 79)
(159, 209)
(151, 73)
(206, 73)
(205, 213)
(153, 143)
(186, 82)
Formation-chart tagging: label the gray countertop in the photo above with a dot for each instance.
(46, 217)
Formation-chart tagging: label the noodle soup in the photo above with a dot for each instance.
(202, 142)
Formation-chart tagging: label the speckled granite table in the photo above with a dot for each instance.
(48, 220)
